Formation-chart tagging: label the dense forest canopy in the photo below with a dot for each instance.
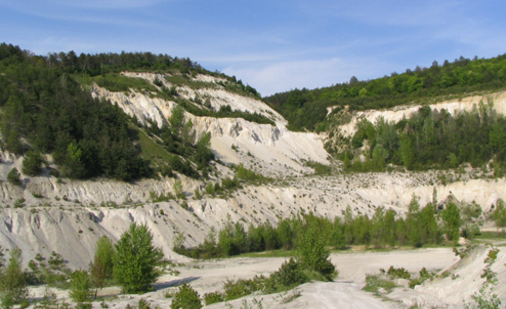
(306, 109)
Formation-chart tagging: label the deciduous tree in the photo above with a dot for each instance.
(135, 259)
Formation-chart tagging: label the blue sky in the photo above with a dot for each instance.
(272, 45)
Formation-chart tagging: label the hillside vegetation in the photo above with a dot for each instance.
(46, 110)
(429, 139)
(306, 109)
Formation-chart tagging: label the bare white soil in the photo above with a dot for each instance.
(497, 100)
(345, 292)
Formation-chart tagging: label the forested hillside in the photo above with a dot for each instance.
(45, 110)
(430, 139)
(306, 109)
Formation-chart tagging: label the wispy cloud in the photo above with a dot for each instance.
(273, 46)
(388, 12)
(282, 76)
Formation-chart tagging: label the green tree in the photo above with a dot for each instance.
(378, 229)
(203, 153)
(499, 214)
(407, 153)
(414, 232)
(32, 164)
(452, 221)
(428, 226)
(226, 240)
(80, 288)
(102, 267)
(12, 281)
(349, 227)
(270, 236)
(186, 298)
(176, 120)
(13, 177)
(135, 259)
(379, 155)
(390, 227)
(239, 238)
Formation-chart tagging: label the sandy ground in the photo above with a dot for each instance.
(345, 292)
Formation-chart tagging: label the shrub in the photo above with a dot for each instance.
(424, 276)
(288, 275)
(374, 282)
(395, 273)
(186, 298)
(243, 287)
(213, 297)
(312, 255)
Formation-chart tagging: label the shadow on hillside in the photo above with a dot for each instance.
(163, 285)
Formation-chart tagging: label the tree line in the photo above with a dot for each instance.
(428, 225)
(306, 109)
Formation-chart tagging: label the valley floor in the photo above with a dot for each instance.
(345, 292)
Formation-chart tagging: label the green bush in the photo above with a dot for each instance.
(288, 275)
(186, 298)
(424, 276)
(80, 287)
(243, 287)
(398, 273)
(213, 297)
(312, 255)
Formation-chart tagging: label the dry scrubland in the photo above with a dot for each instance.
(70, 216)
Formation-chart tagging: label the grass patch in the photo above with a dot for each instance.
(150, 150)
(272, 253)
(373, 284)
(185, 80)
(491, 235)
(116, 82)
